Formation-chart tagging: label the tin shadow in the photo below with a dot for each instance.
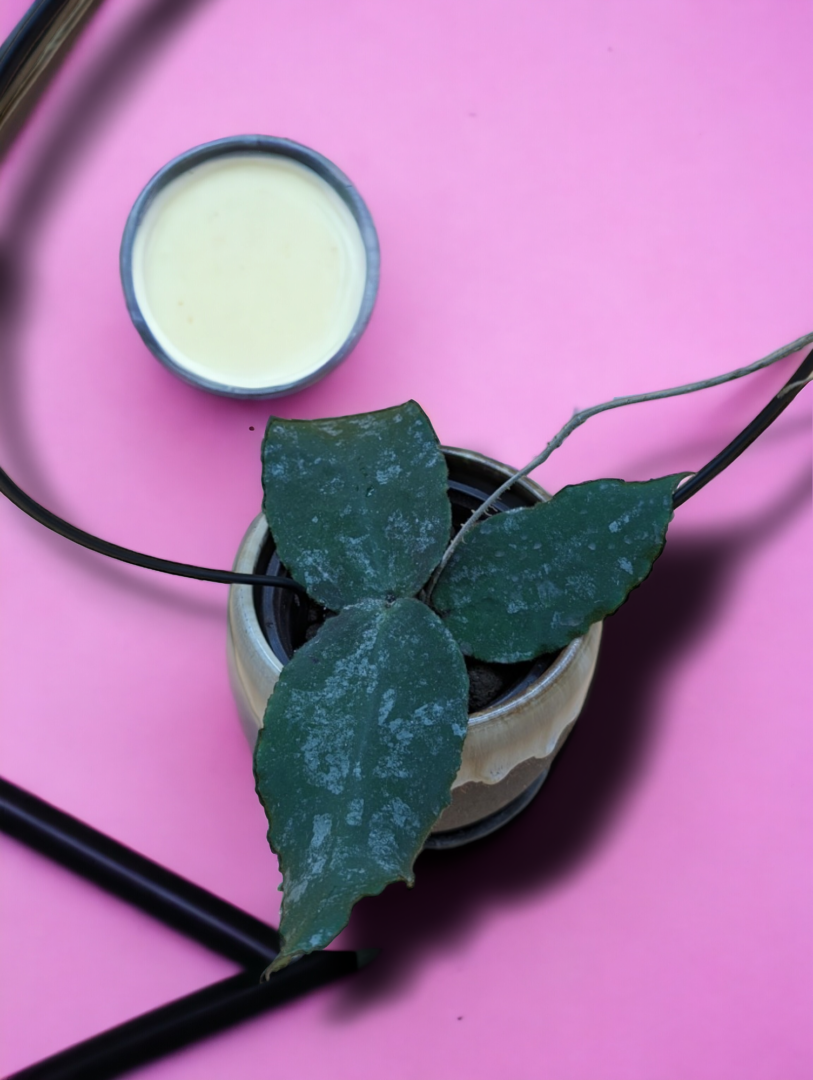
(589, 782)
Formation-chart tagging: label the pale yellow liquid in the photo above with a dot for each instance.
(249, 270)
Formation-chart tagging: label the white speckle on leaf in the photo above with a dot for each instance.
(387, 703)
(625, 564)
(293, 891)
(383, 476)
(316, 858)
(322, 826)
(327, 766)
(381, 842)
(401, 813)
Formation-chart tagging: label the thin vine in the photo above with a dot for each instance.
(616, 403)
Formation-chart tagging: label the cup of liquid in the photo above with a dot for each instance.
(250, 266)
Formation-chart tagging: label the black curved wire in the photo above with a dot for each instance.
(114, 551)
(13, 53)
(775, 407)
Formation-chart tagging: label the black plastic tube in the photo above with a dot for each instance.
(167, 896)
(186, 907)
(188, 1019)
(772, 410)
(775, 407)
(39, 513)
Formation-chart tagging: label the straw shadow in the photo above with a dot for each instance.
(600, 763)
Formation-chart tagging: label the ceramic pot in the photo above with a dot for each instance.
(512, 739)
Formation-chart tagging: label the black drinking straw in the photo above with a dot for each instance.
(186, 907)
(188, 1019)
(166, 896)
(32, 52)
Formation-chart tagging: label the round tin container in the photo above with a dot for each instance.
(348, 250)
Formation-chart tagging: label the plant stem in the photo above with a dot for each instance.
(580, 417)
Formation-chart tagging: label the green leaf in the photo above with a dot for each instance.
(361, 743)
(358, 506)
(528, 581)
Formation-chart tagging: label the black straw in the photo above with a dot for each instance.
(167, 896)
(204, 1013)
(186, 907)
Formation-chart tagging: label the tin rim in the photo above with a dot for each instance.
(263, 144)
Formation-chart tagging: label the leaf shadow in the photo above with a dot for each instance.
(600, 764)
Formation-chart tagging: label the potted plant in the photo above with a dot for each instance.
(364, 733)
(519, 713)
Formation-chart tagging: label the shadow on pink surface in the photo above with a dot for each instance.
(77, 121)
(592, 776)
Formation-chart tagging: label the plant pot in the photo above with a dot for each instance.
(520, 714)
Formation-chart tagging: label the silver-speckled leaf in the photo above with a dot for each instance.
(358, 506)
(528, 581)
(361, 742)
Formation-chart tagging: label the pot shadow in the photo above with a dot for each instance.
(591, 777)
(87, 108)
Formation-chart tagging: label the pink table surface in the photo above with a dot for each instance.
(575, 200)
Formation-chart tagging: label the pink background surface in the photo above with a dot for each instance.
(575, 200)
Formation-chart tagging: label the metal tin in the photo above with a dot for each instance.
(252, 144)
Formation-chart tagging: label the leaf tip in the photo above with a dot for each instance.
(281, 961)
